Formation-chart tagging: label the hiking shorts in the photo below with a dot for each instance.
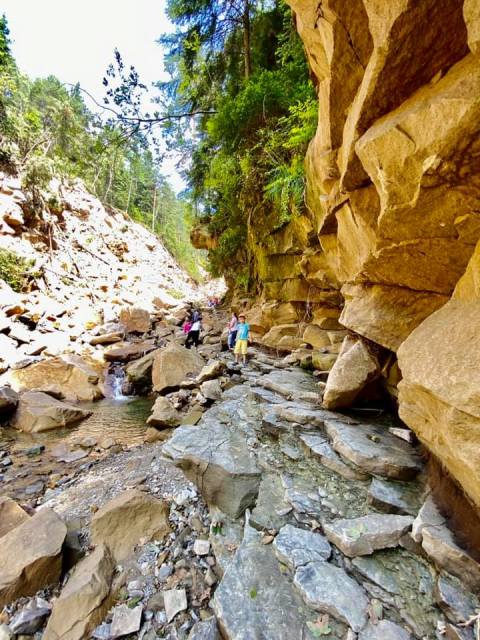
(241, 347)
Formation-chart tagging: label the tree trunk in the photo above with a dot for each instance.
(247, 54)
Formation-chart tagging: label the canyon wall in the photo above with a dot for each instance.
(386, 248)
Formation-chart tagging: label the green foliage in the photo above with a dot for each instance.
(13, 269)
(248, 151)
(5, 53)
(47, 131)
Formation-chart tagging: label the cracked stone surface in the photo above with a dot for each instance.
(252, 594)
(362, 536)
(329, 589)
(218, 460)
(395, 497)
(296, 547)
(374, 449)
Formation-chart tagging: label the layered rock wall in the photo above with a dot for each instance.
(393, 202)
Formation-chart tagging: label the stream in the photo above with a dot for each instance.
(52, 458)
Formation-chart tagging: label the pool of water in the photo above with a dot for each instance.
(122, 420)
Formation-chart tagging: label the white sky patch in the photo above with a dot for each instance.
(75, 41)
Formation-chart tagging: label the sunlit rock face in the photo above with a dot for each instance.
(393, 202)
(201, 238)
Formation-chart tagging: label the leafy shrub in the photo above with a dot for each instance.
(13, 269)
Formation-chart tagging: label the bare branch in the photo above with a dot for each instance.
(141, 120)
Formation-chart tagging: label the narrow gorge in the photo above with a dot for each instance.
(329, 487)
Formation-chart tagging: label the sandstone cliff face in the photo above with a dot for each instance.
(393, 199)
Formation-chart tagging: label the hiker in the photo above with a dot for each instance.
(187, 325)
(196, 315)
(193, 336)
(232, 331)
(241, 344)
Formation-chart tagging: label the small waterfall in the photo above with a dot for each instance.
(114, 382)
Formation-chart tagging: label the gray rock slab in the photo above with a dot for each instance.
(31, 617)
(391, 496)
(255, 599)
(296, 547)
(302, 499)
(205, 630)
(302, 413)
(329, 589)
(362, 536)
(270, 504)
(456, 602)
(264, 395)
(384, 630)
(293, 385)
(219, 462)
(374, 449)
(318, 446)
(428, 516)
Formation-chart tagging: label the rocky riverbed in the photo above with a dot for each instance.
(243, 510)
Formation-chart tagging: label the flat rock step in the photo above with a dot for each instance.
(384, 630)
(319, 447)
(294, 384)
(374, 449)
(362, 536)
(392, 496)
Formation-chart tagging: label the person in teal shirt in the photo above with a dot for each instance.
(241, 345)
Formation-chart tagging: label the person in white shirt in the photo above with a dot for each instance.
(193, 336)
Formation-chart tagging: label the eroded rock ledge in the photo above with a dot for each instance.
(393, 195)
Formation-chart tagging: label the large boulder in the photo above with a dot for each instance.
(172, 365)
(31, 556)
(40, 412)
(135, 320)
(84, 600)
(219, 462)
(11, 515)
(139, 372)
(164, 415)
(68, 376)
(354, 368)
(131, 516)
(316, 337)
(127, 351)
(284, 337)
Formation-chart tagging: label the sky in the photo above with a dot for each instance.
(74, 40)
